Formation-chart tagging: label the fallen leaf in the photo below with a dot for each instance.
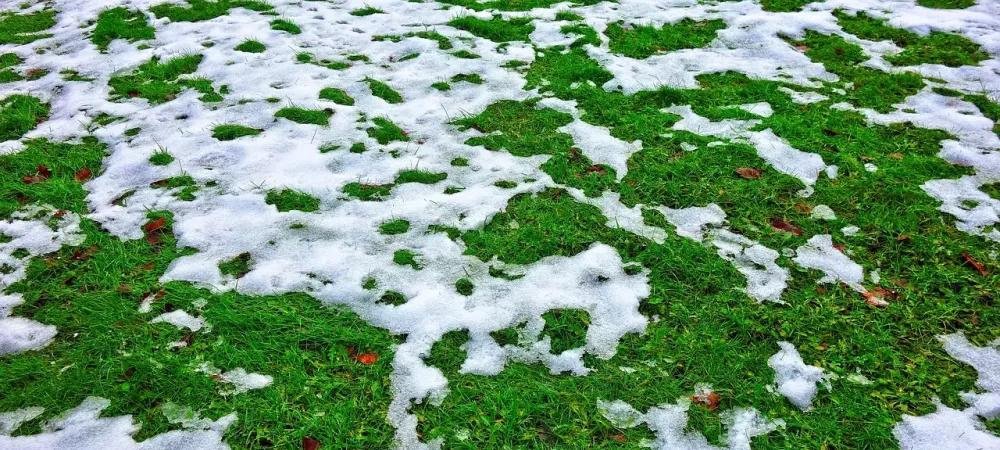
(309, 443)
(904, 238)
(83, 255)
(32, 179)
(367, 358)
(710, 400)
(802, 47)
(748, 173)
(619, 437)
(976, 264)
(82, 174)
(874, 300)
(43, 171)
(782, 225)
(841, 247)
(596, 169)
(866, 158)
(896, 155)
(154, 225)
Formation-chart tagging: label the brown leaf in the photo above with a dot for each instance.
(127, 374)
(840, 247)
(748, 173)
(154, 225)
(43, 171)
(32, 179)
(903, 238)
(976, 264)
(866, 158)
(83, 255)
(596, 168)
(710, 400)
(874, 300)
(619, 437)
(778, 224)
(367, 358)
(802, 48)
(83, 174)
(896, 155)
(309, 443)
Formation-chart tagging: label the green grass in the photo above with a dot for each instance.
(496, 29)
(383, 91)
(121, 23)
(443, 42)
(465, 54)
(228, 132)
(511, 5)
(587, 34)
(336, 95)
(643, 41)
(473, 78)
(938, 47)
(366, 11)
(20, 29)
(161, 158)
(406, 258)
(441, 86)
(946, 4)
(291, 200)
(385, 131)
(20, 114)
(305, 116)
(368, 192)
(286, 26)
(251, 46)
(159, 82)
(358, 147)
(420, 176)
(8, 60)
(398, 226)
(199, 10)
(784, 5)
(568, 16)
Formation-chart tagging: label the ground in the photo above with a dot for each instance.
(468, 224)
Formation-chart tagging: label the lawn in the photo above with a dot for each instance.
(500, 224)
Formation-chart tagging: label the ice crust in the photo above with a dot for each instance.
(339, 246)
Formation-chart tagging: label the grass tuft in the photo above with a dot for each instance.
(121, 23)
(228, 132)
(291, 200)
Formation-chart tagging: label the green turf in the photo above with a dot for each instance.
(159, 82)
(20, 114)
(336, 95)
(120, 23)
(936, 48)
(251, 46)
(385, 131)
(642, 41)
(199, 10)
(496, 29)
(229, 132)
(305, 116)
(383, 91)
(290, 200)
(25, 28)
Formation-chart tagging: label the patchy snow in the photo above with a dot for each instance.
(796, 380)
(241, 380)
(82, 428)
(669, 423)
(820, 254)
(181, 319)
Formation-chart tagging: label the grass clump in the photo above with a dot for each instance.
(948, 49)
(406, 258)
(441, 86)
(465, 287)
(496, 29)
(159, 82)
(419, 176)
(160, 158)
(366, 11)
(385, 131)
(511, 5)
(460, 162)
(784, 5)
(358, 147)
(465, 54)
(236, 267)
(21, 29)
(643, 41)
(368, 192)
(587, 34)
(291, 200)
(305, 116)
(946, 4)
(567, 328)
(8, 60)
(398, 226)
(60, 189)
(473, 78)
(228, 132)
(569, 16)
(20, 114)
(392, 298)
(251, 46)
(336, 95)
(383, 91)
(286, 26)
(120, 23)
(199, 10)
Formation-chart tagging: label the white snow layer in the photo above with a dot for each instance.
(29, 229)
(82, 428)
(952, 429)
(339, 247)
(794, 378)
(669, 422)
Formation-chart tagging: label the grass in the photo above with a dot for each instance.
(496, 29)
(199, 10)
(511, 5)
(25, 28)
(419, 176)
(305, 116)
(385, 131)
(383, 91)
(7, 61)
(946, 4)
(368, 192)
(643, 41)
(473, 78)
(291, 200)
(121, 23)
(251, 46)
(20, 114)
(366, 11)
(161, 158)
(398, 226)
(951, 50)
(286, 26)
(336, 95)
(160, 82)
(406, 258)
(228, 132)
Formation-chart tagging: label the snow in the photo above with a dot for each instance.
(82, 428)
(669, 422)
(794, 379)
(339, 246)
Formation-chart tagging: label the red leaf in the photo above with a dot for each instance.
(32, 179)
(154, 225)
(619, 437)
(781, 225)
(41, 174)
(748, 173)
(83, 174)
(43, 171)
(596, 168)
(710, 400)
(309, 443)
(976, 264)
(367, 358)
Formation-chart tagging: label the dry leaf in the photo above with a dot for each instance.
(748, 173)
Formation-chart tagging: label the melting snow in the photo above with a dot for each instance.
(794, 379)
